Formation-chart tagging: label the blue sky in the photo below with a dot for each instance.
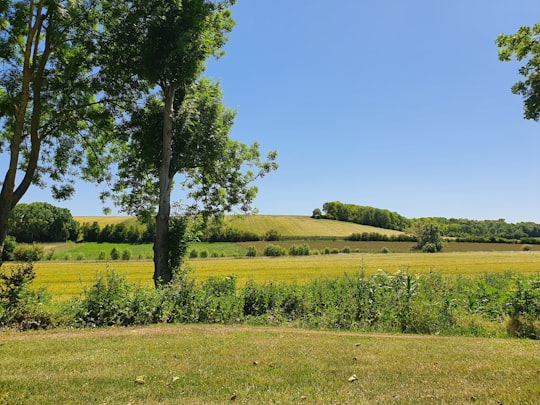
(391, 104)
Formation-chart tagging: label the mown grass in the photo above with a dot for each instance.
(65, 279)
(219, 364)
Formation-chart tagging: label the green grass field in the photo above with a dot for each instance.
(260, 365)
(65, 279)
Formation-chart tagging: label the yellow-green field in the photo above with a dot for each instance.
(106, 220)
(285, 225)
(301, 226)
(65, 279)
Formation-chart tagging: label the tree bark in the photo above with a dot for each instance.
(162, 272)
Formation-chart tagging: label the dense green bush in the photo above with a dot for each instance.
(274, 250)
(9, 247)
(126, 254)
(28, 253)
(299, 250)
(115, 254)
(20, 306)
(252, 251)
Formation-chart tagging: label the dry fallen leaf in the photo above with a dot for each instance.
(233, 397)
(140, 379)
(352, 378)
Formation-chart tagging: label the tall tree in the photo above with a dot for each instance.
(51, 118)
(525, 45)
(165, 44)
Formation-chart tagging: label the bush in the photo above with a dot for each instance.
(346, 249)
(102, 255)
(204, 254)
(299, 250)
(274, 250)
(9, 247)
(526, 248)
(28, 253)
(385, 250)
(115, 254)
(80, 256)
(20, 306)
(252, 251)
(126, 254)
(272, 236)
(193, 254)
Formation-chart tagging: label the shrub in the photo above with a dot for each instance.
(272, 235)
(193, 254)
(204, 254)
(346, 249)
(80, 256)
(9, 247)
(252, 251)
(126, 254)
(115, 254)
(20, 306)
(327, 250)
(334, 251)
(526, 248)
(274, 250)
(299, 250)
(102, 255)
(28, 253)
(385, 250)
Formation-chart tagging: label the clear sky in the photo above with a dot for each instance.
(392, 104)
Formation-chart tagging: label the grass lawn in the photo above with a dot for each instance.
(219, 364)
(65, 279)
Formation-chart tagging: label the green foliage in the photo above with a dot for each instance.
(42, 222)
(193, 254)
(524, 46)
(9, 247)
(299, 250)
(20, 306)
(272, 236)
(252, 251)
(274, 251)
(365, 215)
(115, 254)
(374, 236)
(28, 253)
(428, 237)
(126, 254)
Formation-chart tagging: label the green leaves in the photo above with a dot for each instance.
(524, 45)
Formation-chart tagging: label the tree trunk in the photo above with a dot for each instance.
(162, 272)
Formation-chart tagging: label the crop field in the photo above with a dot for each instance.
(199, 364)
(301, 226)
(106, 220)
(65, 279)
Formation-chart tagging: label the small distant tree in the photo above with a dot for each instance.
(317, 213)
(428, 237)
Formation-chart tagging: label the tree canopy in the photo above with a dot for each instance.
(524, 45)
(53, 115)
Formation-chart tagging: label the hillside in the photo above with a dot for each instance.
(285, 225)
(301, 226)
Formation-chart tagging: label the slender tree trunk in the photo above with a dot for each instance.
(162, 272)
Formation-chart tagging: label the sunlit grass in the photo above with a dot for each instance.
(216, 364)
(65, 279)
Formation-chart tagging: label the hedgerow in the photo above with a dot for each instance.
(502, 304)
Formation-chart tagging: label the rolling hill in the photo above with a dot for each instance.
(286, 225)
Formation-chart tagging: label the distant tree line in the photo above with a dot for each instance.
(484, 230)
(363, 215)
(466, 230)
(43, 222)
